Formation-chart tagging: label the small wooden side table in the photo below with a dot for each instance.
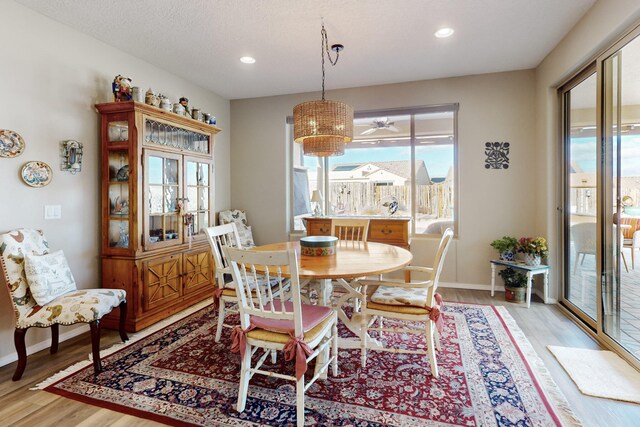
(530, 270)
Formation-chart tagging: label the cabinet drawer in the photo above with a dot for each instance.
(388, 232)
(318, 228)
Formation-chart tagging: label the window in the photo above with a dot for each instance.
(407, 156)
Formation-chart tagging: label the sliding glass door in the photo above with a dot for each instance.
(621, 196)
(581, 195)
(601, 196)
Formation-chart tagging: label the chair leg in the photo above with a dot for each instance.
(633, 258)
(244, 380)
(123, 321)
(95, 345)
(21, 349)
(575, 264)
(431, 350)
(363, 337)
(221, 314)
(334, 348)
(437, 339)
(274, 357)
(300, 402)
(55, 338)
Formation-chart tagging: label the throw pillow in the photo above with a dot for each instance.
(234, 215)
(246, 236)
(48, 276)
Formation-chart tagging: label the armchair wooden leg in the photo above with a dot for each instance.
(123, 321)
(55, 334)
(21, 349)
(95, 345)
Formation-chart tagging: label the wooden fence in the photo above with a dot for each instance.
(360, 198)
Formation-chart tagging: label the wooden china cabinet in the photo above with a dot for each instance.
(157, 192)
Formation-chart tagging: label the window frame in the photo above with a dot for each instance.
(412, 112)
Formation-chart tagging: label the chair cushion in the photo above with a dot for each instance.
(48, 276)
(85, 305)
(402, 309)
(312, 315)
(284, 337)
(416, 297)
(252, 284)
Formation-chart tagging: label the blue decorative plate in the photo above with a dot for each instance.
(36, 174)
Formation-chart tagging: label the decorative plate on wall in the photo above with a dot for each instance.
(36, 174)
(11, 144)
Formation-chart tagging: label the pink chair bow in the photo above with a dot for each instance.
(217, 293)
(300, 350)
(435, 312)
(295, 348)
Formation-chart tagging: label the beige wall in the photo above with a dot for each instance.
(604, 23)
(493, 107)
(50, 78)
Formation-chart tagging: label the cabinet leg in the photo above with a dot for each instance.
(529, 286)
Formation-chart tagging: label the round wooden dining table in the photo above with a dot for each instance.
(351, 261)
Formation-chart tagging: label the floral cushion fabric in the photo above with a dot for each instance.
(13, 246)
(239, 217)
(234, 215)
(73, 307)
(85, 305)
(416, 297)
(48, 276)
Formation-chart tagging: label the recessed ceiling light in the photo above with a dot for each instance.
(247, 60)
(443, 32)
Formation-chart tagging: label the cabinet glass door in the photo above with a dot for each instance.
(163, 198)
(198, 203)
(118, 161)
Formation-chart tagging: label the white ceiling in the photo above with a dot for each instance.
(386, 41)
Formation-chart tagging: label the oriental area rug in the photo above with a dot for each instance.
(489, 376)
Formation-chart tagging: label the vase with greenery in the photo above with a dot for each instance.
(533, 248)
(515, 285)
(505, 247)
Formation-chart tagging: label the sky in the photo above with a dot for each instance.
(583, 152)
(438, 158)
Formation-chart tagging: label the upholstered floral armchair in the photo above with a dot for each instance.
(43, 294)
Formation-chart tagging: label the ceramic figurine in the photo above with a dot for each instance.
(178, 109)
(121, 88)
(151, 98)
(185, 103)
(165, 103)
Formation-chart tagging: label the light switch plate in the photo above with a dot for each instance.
(52, 212)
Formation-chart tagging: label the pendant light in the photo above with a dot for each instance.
(323, 127)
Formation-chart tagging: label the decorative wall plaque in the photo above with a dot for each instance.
(497, 155)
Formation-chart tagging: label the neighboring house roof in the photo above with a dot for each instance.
(401, 168)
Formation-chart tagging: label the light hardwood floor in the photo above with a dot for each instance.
(543, 324)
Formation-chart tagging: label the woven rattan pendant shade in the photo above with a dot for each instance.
(323, 127)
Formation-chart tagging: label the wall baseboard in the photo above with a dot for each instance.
(471, 286)
(34, 348)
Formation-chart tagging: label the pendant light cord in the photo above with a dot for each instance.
(324, 47)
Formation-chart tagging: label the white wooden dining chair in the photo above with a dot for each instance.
(410, 302)
(269, 321)
(350, 229)
(225, 295)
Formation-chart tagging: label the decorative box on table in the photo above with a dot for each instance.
(318, 245)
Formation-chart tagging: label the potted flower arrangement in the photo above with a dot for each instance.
(505, 247)
(534, 249)
(515, 285)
